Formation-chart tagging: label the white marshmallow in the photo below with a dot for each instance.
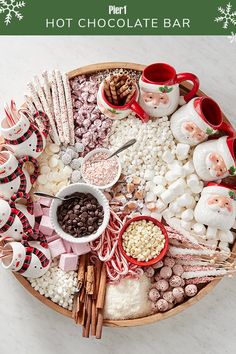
(168, 157)
(199, 229)
(182, 151)
(150, 197)
(168, 196)
(226, 236)
(146, 212)
(192, 180)
(158, 190)
(159, 180)
(178, 186)
(186, 200)
(198, 188)
(175, 208)
(160, 205)
(223, 245)
(188, 167)
(149, 175)
(186, 225)
(167, 214)
(187, 215)
(211, 232)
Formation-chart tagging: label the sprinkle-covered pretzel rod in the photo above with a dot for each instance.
(63, 107)
(69, 107)
(56, 107)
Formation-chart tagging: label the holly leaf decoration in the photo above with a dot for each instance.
(232, 195)
(232, 170)
(165, 89)
(112, 110)
(210, 131)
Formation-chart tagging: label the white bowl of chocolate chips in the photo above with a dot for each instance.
(82, 219)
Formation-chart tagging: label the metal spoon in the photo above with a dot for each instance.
(45, 195)
(122, 148)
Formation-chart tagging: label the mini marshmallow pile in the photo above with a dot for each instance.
(143, 159)
(54, 175)
(91, 126)
(57, 285)
(70, 156)
(169, 287)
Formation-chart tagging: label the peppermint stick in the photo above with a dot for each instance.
(46, 109)
(177, 252)
(56, 107)
(30, 104)
(204, 273)
(63, 108)
(35, 97)
(47, 90)
(69, 107)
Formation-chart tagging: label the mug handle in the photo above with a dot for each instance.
(189, 77)
(228, 129)
(136, 108)
(25, 159)
(21, 195)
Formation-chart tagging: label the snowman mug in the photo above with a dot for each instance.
(197, 120)
(120, 112)
(13, 176)
(159, 89)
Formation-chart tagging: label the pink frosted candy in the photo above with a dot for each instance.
(157, 276)
(56, 248)
(80, 248)
(157, 265)
(178, 292)
(168, 261)
(154, 307)
(175, 281)
(168, 296)
(178, 269)
(162, 305)
(37, 210)
(149, 272)
(68, 262)
(67, 246)
(162, 285)
(51, 238)
(166, 272)
(170, 306)
(154, 295)
(45, 201)
(191, 290)
(45, 226)
(46, 211)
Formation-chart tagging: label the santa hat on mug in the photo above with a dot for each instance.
(227, 149)
(223, 189)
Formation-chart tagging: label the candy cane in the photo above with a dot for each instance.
(69, 107)
(63, 108)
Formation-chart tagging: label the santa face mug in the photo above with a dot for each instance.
(16, 219)
(216, 206)
(119, 112)
(13, 176)
(23, 137)
(159, 89)
(215, 159)
(29, 258)
(197, 120)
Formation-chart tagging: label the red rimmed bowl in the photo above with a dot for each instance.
(153, 260)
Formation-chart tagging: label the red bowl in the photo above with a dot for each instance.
(153, 260)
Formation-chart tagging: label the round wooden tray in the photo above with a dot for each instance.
(185, 87)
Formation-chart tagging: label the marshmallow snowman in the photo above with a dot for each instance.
(215, 159)
(24, 138)
(216, 207)
(16, 219)
(29, 258)
(14, 177)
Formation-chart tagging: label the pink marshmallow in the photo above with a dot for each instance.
(80, 248)
(45, 226)
(67, 246)
(46, 211)
(45, 201)
(56, 247)
(68, 262)
(52, 237)
(37, 210)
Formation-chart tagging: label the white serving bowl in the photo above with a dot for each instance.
(88, 156)
(81, 188)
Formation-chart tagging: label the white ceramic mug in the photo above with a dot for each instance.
(197, 120)
(159, 89)
(119, 112)
(215, 159)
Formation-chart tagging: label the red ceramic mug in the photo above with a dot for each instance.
(159, 85)
(120, 112)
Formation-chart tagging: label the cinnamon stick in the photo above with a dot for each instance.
(81, 271)
(86, 328)
(102, 288)
(94, 297)
(99, 324)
